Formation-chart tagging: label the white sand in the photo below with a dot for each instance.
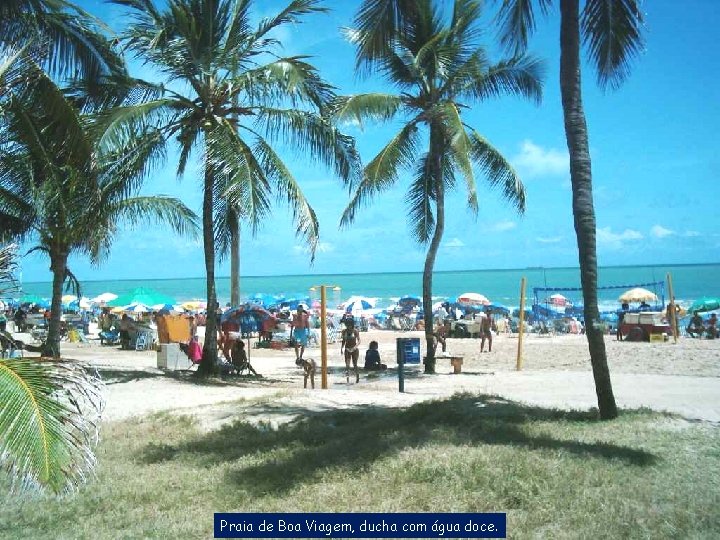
(682, 378)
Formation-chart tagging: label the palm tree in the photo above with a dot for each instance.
(49, 414)
(439, 70)
(66, 186)
(63, 38)
(610, 31)
(229, 97)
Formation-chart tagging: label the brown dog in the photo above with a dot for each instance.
(308, 371)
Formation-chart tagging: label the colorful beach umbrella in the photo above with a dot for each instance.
(142, 295)
(638, 294)
(473, 299)
(358, 303)
(193, 305)
(706, 303)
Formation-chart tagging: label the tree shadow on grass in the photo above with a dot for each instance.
(121, 376)
(350, 439)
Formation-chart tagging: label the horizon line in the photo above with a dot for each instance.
(529, 268)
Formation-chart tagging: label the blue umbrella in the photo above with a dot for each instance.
(497, 308)
(409, 302)
(358, 305)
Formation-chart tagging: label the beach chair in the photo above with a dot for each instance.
(142, 342)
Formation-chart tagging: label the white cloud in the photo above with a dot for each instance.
(534, 161)
(607, 237)
(658, 231)
(504, 226)
(454, 243)
(549, 240)
(691, 234)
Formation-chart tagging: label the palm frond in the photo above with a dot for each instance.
(290, 15)
(49, 419)
(420, 199)
(611, 31)
(364, 106)
(517, 22)
(520, 76)
(498, 171)
(159, 209)
(382, 172)
(289, 191)
(8, 268)
(314, 136)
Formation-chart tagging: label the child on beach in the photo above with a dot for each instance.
(300, 332)
(372, 358)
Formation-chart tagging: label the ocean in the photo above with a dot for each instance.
(500, 286)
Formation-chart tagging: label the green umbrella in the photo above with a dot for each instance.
(141, 295)
(706, 303)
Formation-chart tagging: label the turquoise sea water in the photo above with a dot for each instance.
(501, 286)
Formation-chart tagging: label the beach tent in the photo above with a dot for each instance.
(141, 295)
(638, 294)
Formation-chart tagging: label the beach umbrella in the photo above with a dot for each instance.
(137, 308)
(638, 294)
(67, 298)
(409, 302)
(142, 295)
(497, 308)
(32, 299)
(104, 298)
(557, 300)
(193, 305)
(473, 299)
(169, 308)
(706, 303)
(358, 303)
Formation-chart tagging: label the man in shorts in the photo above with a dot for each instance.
(300, 332)
(486, 331)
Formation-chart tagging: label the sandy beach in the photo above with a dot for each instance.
(680, 378)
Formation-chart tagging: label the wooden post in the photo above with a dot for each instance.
(323, 338)
(673, 314)
(521, 330)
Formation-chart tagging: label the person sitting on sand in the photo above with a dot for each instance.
(372, 358)
(486, 332)
(712, 329)
(350, 341)
(696, 328)
(240, 359)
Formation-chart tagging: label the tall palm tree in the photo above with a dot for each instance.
(66, 40)
(610, 31)
(49, 414)
(65, 187)
(229, 97)
(439, 70)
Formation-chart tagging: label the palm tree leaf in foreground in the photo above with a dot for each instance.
(49, 419)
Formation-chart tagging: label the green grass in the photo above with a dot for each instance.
(556, 474)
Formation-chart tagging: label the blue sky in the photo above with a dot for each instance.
(653, 145)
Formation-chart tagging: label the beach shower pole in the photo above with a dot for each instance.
(323, 338)
(673, 313)
(521, 330)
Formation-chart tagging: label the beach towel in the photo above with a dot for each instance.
(194, 352)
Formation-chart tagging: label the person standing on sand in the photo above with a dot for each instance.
(486, 332)
(300, 332)
(350, 342)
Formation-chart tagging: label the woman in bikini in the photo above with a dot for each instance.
(350, 342)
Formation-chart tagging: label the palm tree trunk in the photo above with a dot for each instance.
(208, 365)
(436, 159)
(58, 267)
(582, 196)
(234, 258)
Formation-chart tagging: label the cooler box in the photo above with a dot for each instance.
(632, 318)
(171, 357)
(408, 350)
